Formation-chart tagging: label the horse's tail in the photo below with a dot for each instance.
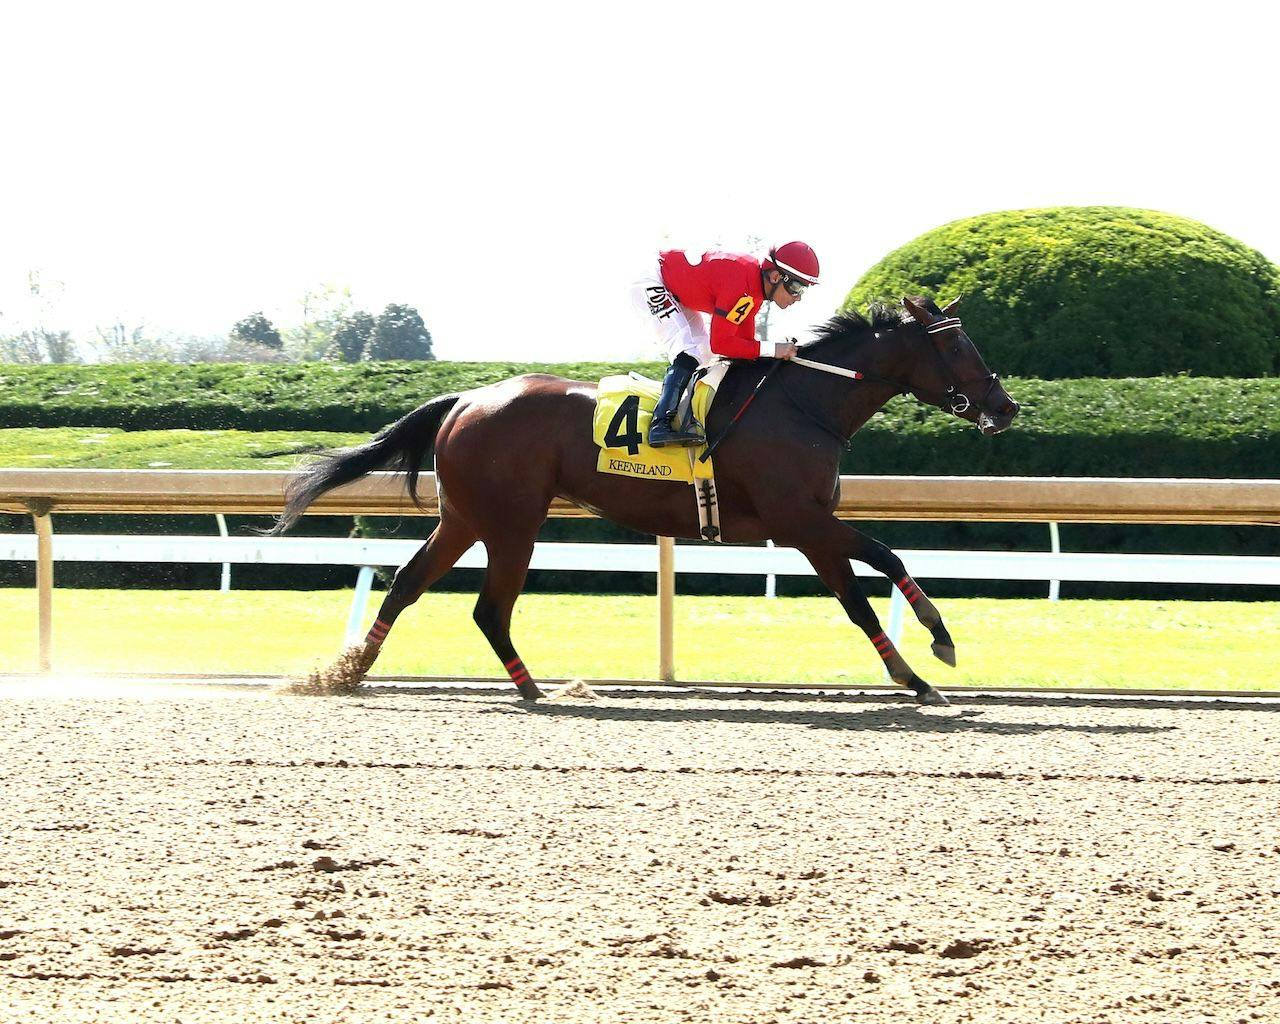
(403, 446)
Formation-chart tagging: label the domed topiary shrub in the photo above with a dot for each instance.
(1095, 291)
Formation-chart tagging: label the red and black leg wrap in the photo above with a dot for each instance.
(883, 645)
(909, 589)
(519, 674)
(378, 633)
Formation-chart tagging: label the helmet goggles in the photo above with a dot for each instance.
(794, 286)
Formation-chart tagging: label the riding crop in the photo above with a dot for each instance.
(738, 415)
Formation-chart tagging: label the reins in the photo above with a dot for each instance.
(954, 400)
(838, 371)
(811, 417)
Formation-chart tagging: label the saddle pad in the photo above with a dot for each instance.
(624, 409)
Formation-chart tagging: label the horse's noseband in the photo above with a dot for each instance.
(955, 401)
(958, 402)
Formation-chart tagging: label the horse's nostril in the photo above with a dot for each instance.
(1011, 408)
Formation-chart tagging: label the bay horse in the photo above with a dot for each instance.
(503, 452)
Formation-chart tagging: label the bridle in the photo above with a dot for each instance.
(954, 400)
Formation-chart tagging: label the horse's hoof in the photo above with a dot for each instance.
(945, 653)
(530, 692)
(931, 698)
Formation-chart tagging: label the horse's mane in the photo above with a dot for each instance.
(848, 325)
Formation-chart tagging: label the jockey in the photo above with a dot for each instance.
(730, 288)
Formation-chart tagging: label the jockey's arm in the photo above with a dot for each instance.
(738, 341)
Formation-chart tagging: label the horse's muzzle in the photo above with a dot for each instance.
(991, 423)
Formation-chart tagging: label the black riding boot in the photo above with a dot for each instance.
(661, 430)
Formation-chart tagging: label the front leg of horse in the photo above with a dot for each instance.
(943, 648)
(837, 574)
(901, 673)
(884, 560)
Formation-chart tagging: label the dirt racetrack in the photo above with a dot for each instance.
(222, 854)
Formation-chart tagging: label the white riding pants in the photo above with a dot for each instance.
(678, 328)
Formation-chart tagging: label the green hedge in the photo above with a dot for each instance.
(1175, 426)
(1141, 427)
(1099, 291)
(297, 396)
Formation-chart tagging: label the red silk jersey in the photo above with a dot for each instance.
(727, 286)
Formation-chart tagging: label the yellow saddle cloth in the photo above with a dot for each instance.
(624, 409)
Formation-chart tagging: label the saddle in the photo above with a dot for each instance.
(624, 409)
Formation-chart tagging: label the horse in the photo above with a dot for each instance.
(504, 451)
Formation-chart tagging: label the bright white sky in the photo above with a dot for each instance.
(509, 168)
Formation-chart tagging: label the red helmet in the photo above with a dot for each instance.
(796, 259)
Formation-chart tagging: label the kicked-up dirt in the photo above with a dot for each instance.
(225, 854)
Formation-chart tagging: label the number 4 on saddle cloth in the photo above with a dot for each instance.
(624, 407)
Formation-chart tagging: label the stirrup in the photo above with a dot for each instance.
(662, 434)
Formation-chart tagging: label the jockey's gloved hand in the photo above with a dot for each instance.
(784, 349)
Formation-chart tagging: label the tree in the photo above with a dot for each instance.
(256, 329)
(39, 342)
(399, 333)
(120, 343)
(39, 345)
(59, 347)
(351, 336)
(22, 347)
(226, 350)
(323, 308)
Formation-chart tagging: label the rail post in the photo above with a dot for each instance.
(226, 566)
(897, 607)
(666, 609)
(41, 509)
(359, 601)
(1055, 586)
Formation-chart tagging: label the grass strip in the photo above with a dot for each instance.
(1033, 643)
(112, 448)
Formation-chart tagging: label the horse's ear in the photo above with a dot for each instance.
(916, 308)
(950, 308)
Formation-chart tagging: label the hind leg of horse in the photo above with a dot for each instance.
(436, 557)
(884, 560)
(504, 579)
(834, 570)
